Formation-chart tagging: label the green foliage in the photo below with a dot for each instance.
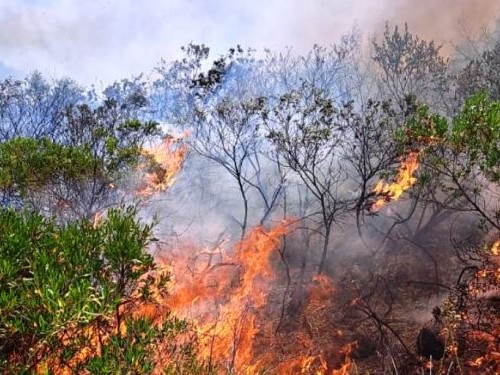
(28, 164)
(133, 352)
(471, 140)
(125, 257)
(476, 131)
(114, 140)
(425, 126)
(58, 280)
(130, 353)
(462, 155)
(73, 176)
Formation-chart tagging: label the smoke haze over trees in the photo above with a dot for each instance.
(117, 39)
(328, 208)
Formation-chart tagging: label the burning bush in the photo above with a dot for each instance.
(394, 204)
(66, 292)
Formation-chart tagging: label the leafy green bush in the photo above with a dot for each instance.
(472, 137)
(73, 175)
(28, 164)
(59, 283)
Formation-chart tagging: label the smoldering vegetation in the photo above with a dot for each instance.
(307, 138)
(360, 280)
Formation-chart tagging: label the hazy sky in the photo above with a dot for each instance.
(103, 40)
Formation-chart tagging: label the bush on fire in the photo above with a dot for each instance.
(60, 288)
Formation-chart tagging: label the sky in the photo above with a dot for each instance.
(99, 41)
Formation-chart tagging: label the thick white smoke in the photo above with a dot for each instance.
(95, 41)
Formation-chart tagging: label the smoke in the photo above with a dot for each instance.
(96, 40)
(446, 21)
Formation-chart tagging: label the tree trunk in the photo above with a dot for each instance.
(326, 242)
(245, 207)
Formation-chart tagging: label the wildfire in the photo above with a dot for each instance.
(387, 192)
(166, 161)
(97, 219)
(224, 294)
(230, 294)
(495, 249)
(228, 301)
(318, 365)
(315, 345)
(490, 361)
(321, 289)
(225, 302)
(485, 291)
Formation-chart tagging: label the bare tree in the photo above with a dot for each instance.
(308, 132)
(331, 69)
(370, 149)
(410, 68)
(224, 120)
(34, 107)
(480, 74)
(230, 135)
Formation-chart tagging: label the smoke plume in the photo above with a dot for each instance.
(93, 40)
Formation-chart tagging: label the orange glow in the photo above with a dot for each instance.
(97, 219)
(224, 294)
(93, 338)
(486, 288)
(387, 192)
(228, 327)
(495, 249)
(318, 365)
(347, 365)
(321, 289)
(490, 361)
(167, 159)
(318, 360)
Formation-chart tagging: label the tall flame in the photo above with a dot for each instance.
(224, 293)
(167, 158)
(227, 302)
(387, 192)
(225, 297)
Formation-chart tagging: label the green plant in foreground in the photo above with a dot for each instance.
(56, 282)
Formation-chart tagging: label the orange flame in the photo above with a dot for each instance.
(167, 158)
(97, 219)
(237, 325)
(321, 289)
(490, 361)
(318, 365)
(495, 249)
(225, 302)
(320, 358)
(486, 287)
(347, 365)
(387, 192)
